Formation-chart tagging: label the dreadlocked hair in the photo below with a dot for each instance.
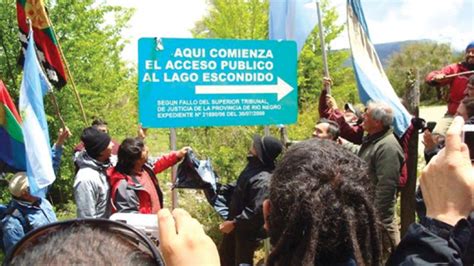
(321, 208)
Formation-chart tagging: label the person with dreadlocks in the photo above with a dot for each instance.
(320, 209)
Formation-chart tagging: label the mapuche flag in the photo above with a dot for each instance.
(46, 43)
(12, 148)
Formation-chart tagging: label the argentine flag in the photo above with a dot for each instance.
(372, 82)
(292, 20)
(34, 86)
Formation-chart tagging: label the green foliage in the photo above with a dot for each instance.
(9, 47)
(227, 146)
(90, 36)
(234, 19)
(421, 57)
(107, 87)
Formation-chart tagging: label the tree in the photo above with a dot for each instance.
(234, 19)
(92, 47)
(227, 146)
(422, 57)
(9, 47)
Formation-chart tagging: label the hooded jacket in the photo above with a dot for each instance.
(91, 190)
(250, 191)
(128, 195)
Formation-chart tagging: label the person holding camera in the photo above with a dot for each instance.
(446, 234)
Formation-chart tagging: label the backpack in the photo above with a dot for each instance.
(12, 210)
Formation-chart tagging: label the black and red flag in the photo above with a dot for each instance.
(46, 43)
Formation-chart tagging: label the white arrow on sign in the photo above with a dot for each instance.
(281, 89)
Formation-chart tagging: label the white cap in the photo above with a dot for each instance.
(18, 184)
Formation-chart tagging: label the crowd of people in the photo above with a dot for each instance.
(328, 200)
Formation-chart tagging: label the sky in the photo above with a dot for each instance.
(388, 20)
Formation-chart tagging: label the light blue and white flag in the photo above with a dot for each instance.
(292, 20)
(372, 82)
(34, 86)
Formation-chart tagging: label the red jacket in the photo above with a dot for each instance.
(457, 85)
(135, 190)
(352, 133)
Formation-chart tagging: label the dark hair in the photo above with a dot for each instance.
(129, 152)
(468, 103)
(333, 128)
(99, 122)
(322, 211)
(83, 245)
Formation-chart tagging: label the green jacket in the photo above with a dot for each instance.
(384, 157)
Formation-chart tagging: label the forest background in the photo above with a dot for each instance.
(90, 33)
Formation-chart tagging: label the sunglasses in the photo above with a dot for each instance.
(128, 233)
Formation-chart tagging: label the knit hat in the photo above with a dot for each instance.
(268, 148)
(18, 184)
(95, 141)
(470, 46)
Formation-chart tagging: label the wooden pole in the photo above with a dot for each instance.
(53, 97)
(174, 170)
(459, 74)
(56, 108)
(68, 72)
(266, 131)
(284, 136)
(407, 197)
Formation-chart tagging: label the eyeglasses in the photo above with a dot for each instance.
(125, 231)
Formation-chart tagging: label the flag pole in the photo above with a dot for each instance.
(323, 46)
(56, 108)
(66, 65)
(53, 97)
(459, 74)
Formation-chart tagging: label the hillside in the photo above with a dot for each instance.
(385, 50)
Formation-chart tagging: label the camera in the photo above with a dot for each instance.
(430, 125)
(468, 138)
(421, 125)
(147, 223)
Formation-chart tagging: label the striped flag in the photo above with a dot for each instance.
(12, 148)
(292, 20)
(46, 43)
(372, 82)
(34, 86)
